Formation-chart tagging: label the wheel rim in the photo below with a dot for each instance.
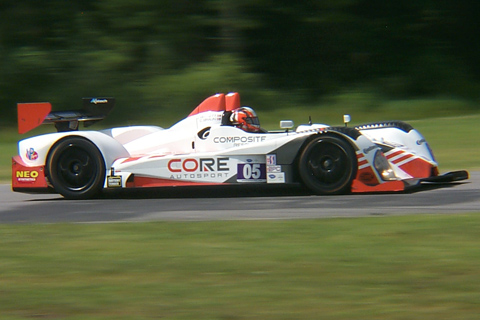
(328, 163)
(76, 168)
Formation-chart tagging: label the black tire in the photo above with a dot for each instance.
(328, 165)
(75, 168)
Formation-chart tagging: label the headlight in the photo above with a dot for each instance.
(383, 167)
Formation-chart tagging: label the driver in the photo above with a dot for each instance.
(246, 119)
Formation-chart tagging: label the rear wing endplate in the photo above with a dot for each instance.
(31, 115)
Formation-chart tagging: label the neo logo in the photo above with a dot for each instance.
(26, 174)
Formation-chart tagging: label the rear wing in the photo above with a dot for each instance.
(31, 115)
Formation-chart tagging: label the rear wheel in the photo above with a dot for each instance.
(328, 165)
(75, 168)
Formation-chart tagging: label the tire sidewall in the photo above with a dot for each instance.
(310, 181)
(90, 190)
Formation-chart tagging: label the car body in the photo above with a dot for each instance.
(205, 149)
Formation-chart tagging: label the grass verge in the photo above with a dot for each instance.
(408, 267)
(455, 141)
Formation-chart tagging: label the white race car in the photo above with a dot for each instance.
(220, 142)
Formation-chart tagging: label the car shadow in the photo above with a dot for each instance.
(244, 191)
(238, 191)
(231, 191)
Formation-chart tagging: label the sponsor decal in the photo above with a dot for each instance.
(97, 101)
(274, 169)
(239, 140)
(210, 117)
(114, 181)
(368, 178)
(278, 177)
(271, 159)
(198, 168)
(251, 172)
(193, 176)
(202, 165)
(27, 175)
(421, 141)
(32, 154)
(204, 133)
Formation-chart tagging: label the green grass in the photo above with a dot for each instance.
(8, 148)
(455, 141)
(367, 107)
(409, 267)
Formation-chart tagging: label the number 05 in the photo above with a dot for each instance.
(252, 171)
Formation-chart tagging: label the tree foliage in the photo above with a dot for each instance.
(159, 53)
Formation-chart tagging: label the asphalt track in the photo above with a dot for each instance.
(236, 203)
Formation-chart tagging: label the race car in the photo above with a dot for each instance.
(219, 142)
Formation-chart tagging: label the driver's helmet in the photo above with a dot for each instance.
(246, 119)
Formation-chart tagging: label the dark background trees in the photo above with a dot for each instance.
(156, 55)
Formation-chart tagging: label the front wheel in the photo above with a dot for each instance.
(75, 168)
(328, 165)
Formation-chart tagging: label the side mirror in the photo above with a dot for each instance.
(346, 119)
(286, 124)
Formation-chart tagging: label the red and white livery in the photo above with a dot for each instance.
(220, 142)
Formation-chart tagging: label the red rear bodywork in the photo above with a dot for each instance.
(31, 115)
